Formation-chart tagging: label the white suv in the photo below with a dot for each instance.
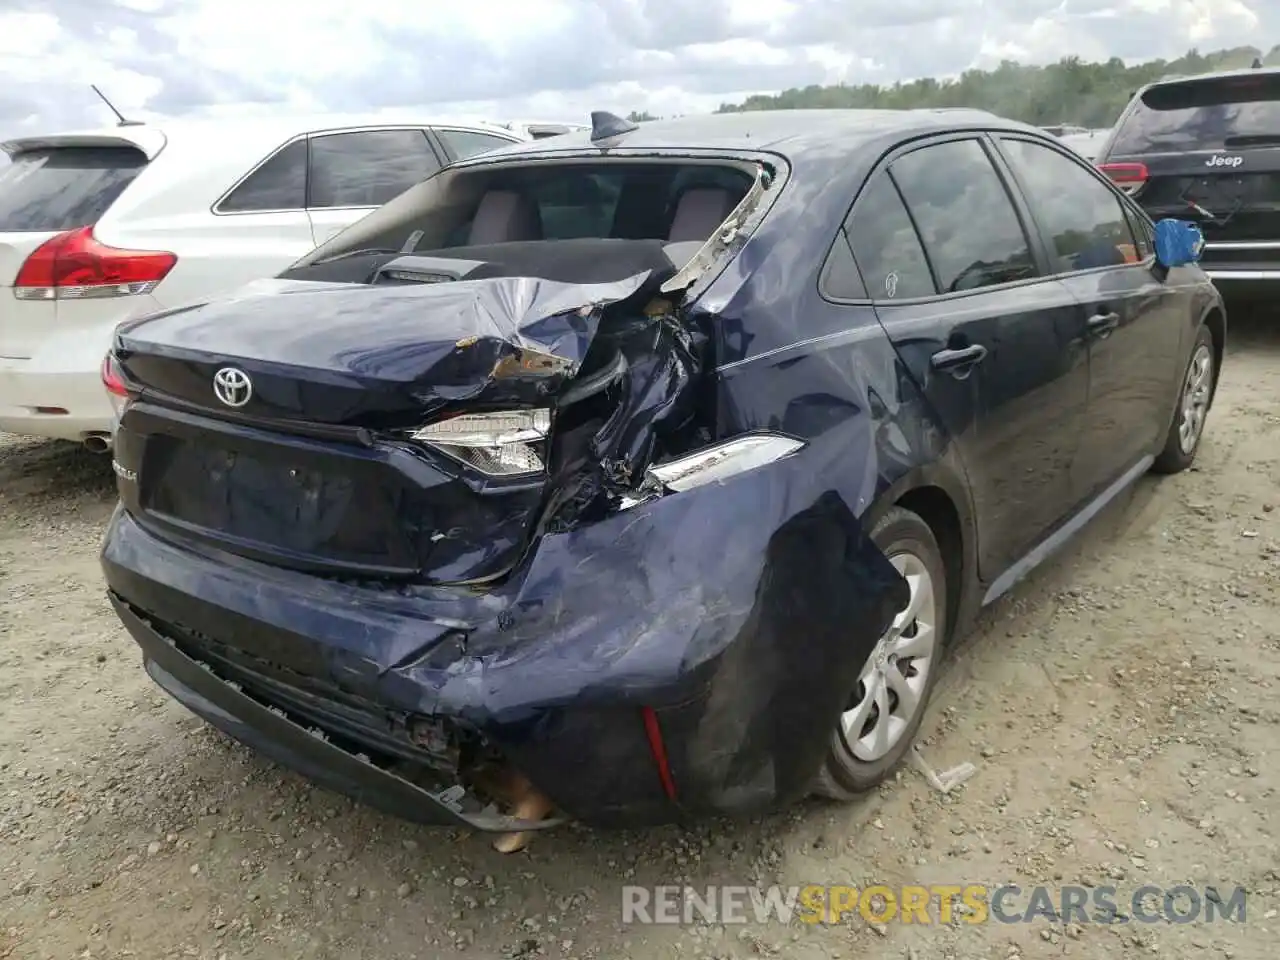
(99, 226)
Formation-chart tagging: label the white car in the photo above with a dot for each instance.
(1087, 144)
(102, 225)
(542, 129)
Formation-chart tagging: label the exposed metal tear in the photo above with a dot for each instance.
(529, 362)
(724, 237)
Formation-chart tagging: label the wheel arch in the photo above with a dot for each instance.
(1215, 319)
(940, 498)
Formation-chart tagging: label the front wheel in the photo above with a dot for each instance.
(1187, 428)
(886, 706)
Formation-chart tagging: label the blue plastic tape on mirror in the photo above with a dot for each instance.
(1178, 242)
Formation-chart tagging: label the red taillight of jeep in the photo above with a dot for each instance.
(75, 266)
(1129, 177)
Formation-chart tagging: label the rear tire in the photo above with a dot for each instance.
(1187, 427)
(888, 704)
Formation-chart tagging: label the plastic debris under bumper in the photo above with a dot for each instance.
(238, 715)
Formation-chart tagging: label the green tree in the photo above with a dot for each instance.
(1070, 91)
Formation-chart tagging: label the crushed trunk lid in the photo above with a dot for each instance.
(371, 432)
(357, 355)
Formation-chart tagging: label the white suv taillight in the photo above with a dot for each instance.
(75, 266)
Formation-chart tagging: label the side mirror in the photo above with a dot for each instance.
(1178, 243)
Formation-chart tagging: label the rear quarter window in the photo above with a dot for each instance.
(280, 183)
(466, 143)
(64, 187)
(1208, 114)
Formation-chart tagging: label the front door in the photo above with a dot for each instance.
(997, 350)
(1131, 317)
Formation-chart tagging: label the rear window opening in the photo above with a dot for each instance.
(1215, 113)
(563, 220)
(62, 188)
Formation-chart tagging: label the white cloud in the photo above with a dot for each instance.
(545, 58)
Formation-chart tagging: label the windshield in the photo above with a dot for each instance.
(1210, 114)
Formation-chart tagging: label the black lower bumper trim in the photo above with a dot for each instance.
(275, 736)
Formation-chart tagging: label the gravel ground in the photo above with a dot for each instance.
(1121, 709)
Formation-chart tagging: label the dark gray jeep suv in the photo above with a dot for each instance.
(1207, 149)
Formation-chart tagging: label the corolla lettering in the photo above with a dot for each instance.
(123, 472)
(1221, 161)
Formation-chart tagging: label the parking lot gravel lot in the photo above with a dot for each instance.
(1122, 709)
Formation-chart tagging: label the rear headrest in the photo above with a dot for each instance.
(505, 216)
(699, 211)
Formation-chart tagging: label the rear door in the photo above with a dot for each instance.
(1208, 149)
(1133, 321)
(996, 348)
(44, 191)
(353, 172)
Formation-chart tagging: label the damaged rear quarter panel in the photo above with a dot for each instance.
(741, 612)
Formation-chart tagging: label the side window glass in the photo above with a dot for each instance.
(840, 278)
(279, 184)
(368, 168)
(885, 244)
(969, 226)
(1084, 218)
(463, 143)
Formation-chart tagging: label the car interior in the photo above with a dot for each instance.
(584, 223)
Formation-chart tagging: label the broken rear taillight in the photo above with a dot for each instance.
(713, 464)
(504, 443)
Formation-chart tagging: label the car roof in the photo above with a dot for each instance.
(788, 132)
(253, 131)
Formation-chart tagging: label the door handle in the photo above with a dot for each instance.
(1102, 324)
(960, 361)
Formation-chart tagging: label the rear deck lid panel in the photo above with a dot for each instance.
(363, 511)
(383, 357)
(321, 467)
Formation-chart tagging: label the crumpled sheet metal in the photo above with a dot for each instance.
(745, 634)
(740, 611)
(510, 339)
(624, 605)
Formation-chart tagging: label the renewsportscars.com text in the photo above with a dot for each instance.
(940, 903)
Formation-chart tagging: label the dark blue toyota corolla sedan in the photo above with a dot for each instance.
(649, 470)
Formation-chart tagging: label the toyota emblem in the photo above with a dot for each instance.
(233, 387)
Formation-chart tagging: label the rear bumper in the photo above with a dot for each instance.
(743, 639)
(64, 371)
(1243, 269)
(1246, 284)
(58, 405)
(277, 737)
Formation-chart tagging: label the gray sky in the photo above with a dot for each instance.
(546, 59)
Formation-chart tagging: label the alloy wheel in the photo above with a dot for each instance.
(892, 683)
(1195, 398)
